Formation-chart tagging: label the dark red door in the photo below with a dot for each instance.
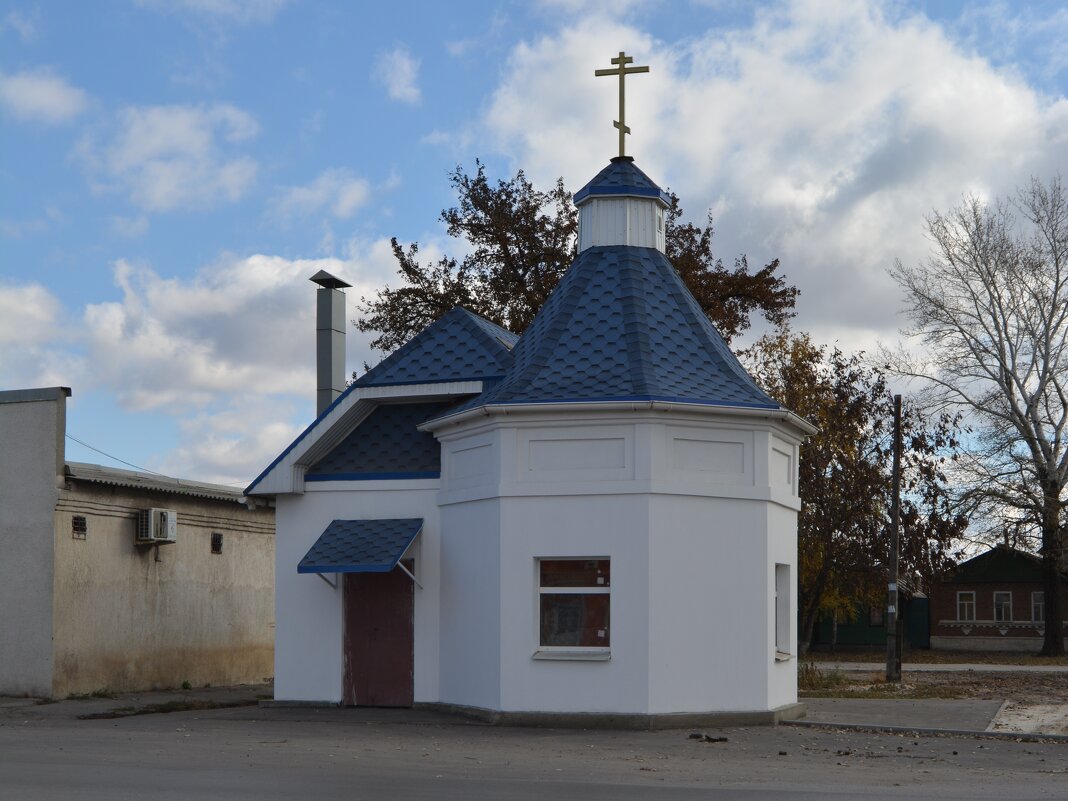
(378, 638)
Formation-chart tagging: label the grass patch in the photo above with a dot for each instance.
(811, 678)
(89, 696)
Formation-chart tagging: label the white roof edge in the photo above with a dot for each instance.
(803, 426)
(278, 478)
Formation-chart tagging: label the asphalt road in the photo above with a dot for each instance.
(267, 754)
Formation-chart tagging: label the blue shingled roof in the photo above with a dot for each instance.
(622, 326)
(459, 346)
(622, 177)
(361, 546)
(386, 445)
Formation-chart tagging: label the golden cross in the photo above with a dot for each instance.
(622, 70)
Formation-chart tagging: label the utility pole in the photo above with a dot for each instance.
(893, 634)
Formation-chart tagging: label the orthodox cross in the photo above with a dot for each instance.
(622, 71)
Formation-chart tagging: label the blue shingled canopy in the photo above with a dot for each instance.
(361, 546)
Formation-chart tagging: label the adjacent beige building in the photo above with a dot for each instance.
(86, 606)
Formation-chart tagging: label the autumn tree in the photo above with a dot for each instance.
(522, 241)
(844, 477)
(989, 309)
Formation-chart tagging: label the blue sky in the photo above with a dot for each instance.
(172, 171)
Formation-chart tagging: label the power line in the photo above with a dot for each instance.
(117, 459)
(143, 469)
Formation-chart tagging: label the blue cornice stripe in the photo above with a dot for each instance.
(632, 191)
(398, 476)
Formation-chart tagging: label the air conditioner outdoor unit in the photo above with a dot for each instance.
(156, 526)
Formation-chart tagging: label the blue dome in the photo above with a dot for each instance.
(622, 177)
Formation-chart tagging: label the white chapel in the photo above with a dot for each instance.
(592, 523)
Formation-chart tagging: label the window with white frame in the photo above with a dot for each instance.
(966, 605)
(1002, 607)
(1038, 606)
(575, 596)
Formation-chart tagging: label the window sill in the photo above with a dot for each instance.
(782, 656)
(573, 655)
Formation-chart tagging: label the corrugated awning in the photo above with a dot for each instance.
(361, 546)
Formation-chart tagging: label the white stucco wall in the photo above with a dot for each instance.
(693, 510)
(471, 588)
(31, 465)
(612, 527)
(309, 635)
(708, 605)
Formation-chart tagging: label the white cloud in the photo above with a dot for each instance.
(129, 227)
(25, 25)
(233, 444)
(33, 338)
(335, 191)
(229, 353)
(398, 71)
(169, 157)
(41, 96)
(240, 326)
(822, 135)
(240, 11)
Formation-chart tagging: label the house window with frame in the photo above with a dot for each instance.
(574, 603)
(1002, 607)
(1038, 606)
(966, 606)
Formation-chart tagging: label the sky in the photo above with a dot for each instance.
(173, 171)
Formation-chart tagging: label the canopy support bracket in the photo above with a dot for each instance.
(410, 574)
(328, 581)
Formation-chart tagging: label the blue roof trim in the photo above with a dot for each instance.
(417, 382)
(638, 191)
(361, 546)
(398, 476)
(638, 399)
(299, 438)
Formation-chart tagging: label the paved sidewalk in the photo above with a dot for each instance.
(955, 715)
(967, 716)
(978, 667)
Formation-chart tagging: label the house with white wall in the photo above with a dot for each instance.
(595, 522)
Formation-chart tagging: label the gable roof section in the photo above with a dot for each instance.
(622, 177)
(621, 326)
(458, 355)
(459, 346)
(386, 445)
(1000, 564)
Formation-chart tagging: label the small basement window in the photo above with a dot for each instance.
(79, 527)
(216, 542)
(574, 605)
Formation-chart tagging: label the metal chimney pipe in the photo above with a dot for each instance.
(329, 339)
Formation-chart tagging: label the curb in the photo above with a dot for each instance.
(1024, 737)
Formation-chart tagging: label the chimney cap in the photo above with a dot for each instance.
(327, 281)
